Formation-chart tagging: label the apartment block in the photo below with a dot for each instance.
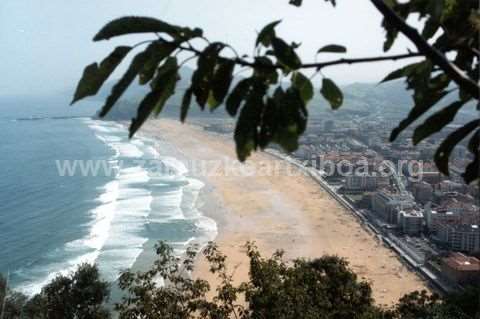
(461, 269)
(463, 237)
(411, 222)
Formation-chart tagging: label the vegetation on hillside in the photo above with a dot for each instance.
(323, 288)
(80, 295)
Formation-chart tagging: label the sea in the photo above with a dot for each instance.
(75, 189)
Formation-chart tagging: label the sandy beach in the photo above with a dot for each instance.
(249, 202)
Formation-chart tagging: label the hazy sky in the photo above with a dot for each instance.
(46, 43)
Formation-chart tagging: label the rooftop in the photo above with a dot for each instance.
(412, 213)
(461, 262)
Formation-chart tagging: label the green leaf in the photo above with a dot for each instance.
(203, 75)
(333, 48)
(332, 93)
(144, 110)
(402, 72)
(246, 130)
(291, 117)
(163, 86)
(391, 30)
(166, 81)
(285, 54)
(391, 36)
(436, 9)
(129, 25)
(296, 3)
(429, 99)
(436, 122)
(238, 94)
(474, 143)
(269, 123)
(95, 75)
(267, 34)
(472, 171)
(160, 51)
(445, 149)
(265, 69)
(303, 85)
(186, 101)
(430, 28)
(221, 81)
(121, 86)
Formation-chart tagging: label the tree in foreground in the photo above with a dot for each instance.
(320, 288)
(80, 295)
(270, 110)
(323, 288)
(11, 303)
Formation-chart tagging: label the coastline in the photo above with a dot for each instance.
(292, 213)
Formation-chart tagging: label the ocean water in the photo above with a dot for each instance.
(75, 189)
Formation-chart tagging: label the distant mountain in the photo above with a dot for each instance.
(366, 98)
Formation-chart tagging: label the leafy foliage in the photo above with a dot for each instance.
(333, 48)
(95, 75)
(455, 27)
(11, 303)
(163, 86)
(323, 288)
(451, 27)
(267, 34)
(332, 93)
(80, 295)
(129, 25)
(420, 304)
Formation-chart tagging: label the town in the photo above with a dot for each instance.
(431, 220)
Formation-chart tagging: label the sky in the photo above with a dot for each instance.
(46, 44)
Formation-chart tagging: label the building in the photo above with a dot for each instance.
(463, 237)
(361, 182)
(461, 269)
(429, 176)
(386, 205)
(448, 186)
(411, 222)
(423, 192)
(435, 218)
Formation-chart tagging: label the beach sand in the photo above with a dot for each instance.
(278, 211)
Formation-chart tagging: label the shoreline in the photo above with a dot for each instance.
(281, 212)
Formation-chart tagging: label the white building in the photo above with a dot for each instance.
(361, 182)
(410, 222)
(460, 237)
(433, 219)
(387, 205)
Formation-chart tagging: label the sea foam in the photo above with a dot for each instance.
(135, 206)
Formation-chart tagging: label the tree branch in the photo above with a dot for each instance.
(429, 51)
(395, 57)
(320, 65)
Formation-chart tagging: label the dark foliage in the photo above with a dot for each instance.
(268, 113)
(80, 295)
(323, 288)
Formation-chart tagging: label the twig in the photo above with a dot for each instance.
(319, 65)
(429, 51)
